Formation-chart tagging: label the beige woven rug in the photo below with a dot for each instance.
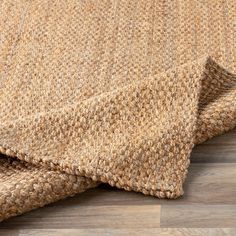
(114, 91)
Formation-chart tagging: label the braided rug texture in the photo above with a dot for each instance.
(114, 91)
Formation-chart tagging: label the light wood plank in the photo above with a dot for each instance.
(212, 173)
(71, 216)
(191, 216)
(208, 193)
(133, 232)
(9, 232)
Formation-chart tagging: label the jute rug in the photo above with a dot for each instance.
(114, 91)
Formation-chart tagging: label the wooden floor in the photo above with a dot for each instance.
(207, 208)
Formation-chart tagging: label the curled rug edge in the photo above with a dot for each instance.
(210, 114)
(25, 187)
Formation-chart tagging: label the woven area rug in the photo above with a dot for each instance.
(113, 91)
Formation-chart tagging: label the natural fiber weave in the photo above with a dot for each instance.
(114, 91)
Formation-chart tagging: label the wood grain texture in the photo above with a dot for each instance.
(221, 149)
(207, 208)
(124, 232)
(72, 216)
(134, 232)
(198, 216)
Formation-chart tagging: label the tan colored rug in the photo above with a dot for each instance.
(114, 91)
